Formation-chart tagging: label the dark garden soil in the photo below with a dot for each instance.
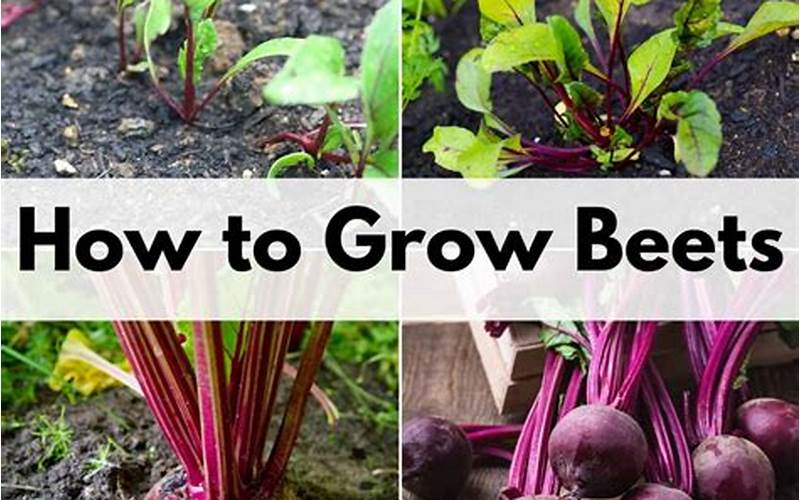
(756, 91)
(123, 130)
(352, 461)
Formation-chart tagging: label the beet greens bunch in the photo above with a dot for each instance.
(607, 108)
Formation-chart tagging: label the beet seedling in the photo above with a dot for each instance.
(634, 100)
(152, 19)
(315, 75)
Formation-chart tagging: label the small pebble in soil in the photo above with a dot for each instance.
(71, 135)
(65, 168)
(247, 174)
(69, 102)
(136, 127)
(248, 8)
(78, 52)
(664, 173)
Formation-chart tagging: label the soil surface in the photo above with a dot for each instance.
(123, 129)
(351, 461)
(756, 91)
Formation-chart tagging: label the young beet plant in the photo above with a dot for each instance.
(315, 75)
(215, 413)
(152, 19)
(606, 111)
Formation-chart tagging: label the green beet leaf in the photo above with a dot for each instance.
(649, 66)
(473, 83)
(205, 45)
(696, 22)
(285, 162)
(699, 135)
(379, 76)
(459, 150)
(478, 156)
(197, 8)
(509, 12)
(156, 22)
(385, 164)
(583, 16)
(770, 17)
(583, 95)
(314, 74)
(532, 42)
(571, 57)
(270, 48)
(610, 9)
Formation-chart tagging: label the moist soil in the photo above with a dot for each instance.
(124, 130)
(353, 460)
(756, 91)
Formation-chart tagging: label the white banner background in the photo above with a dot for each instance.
(317, 288)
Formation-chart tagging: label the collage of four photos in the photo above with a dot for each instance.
(405, 89)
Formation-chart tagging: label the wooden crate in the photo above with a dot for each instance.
(513, 363)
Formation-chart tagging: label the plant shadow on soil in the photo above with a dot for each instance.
(756, 90)
(124, 130)
(354, 460)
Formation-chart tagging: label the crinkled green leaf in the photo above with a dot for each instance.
(385, 164)
(287, 161)
(334, 138)
(509, 12)
(473, 83)
(699, 135)
(490, 29)
(696, 22)
(532, 42)
(583, 95)
(649, 66)
(583, 16)
(205, 36)
(270, 48)
(379, 76)
(571, 57)
(608, 157)
(420, 62)
(313, 74)
(563, 343)
(459, 150)
(770, 17)
(610, 11)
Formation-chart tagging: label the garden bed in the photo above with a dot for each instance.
(756, 91)
(352, 461)
(123, 129)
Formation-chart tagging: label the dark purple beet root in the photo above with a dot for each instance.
(732, 468)
(597, 451)
(437, 458)
(652, 491)
(772, 425)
